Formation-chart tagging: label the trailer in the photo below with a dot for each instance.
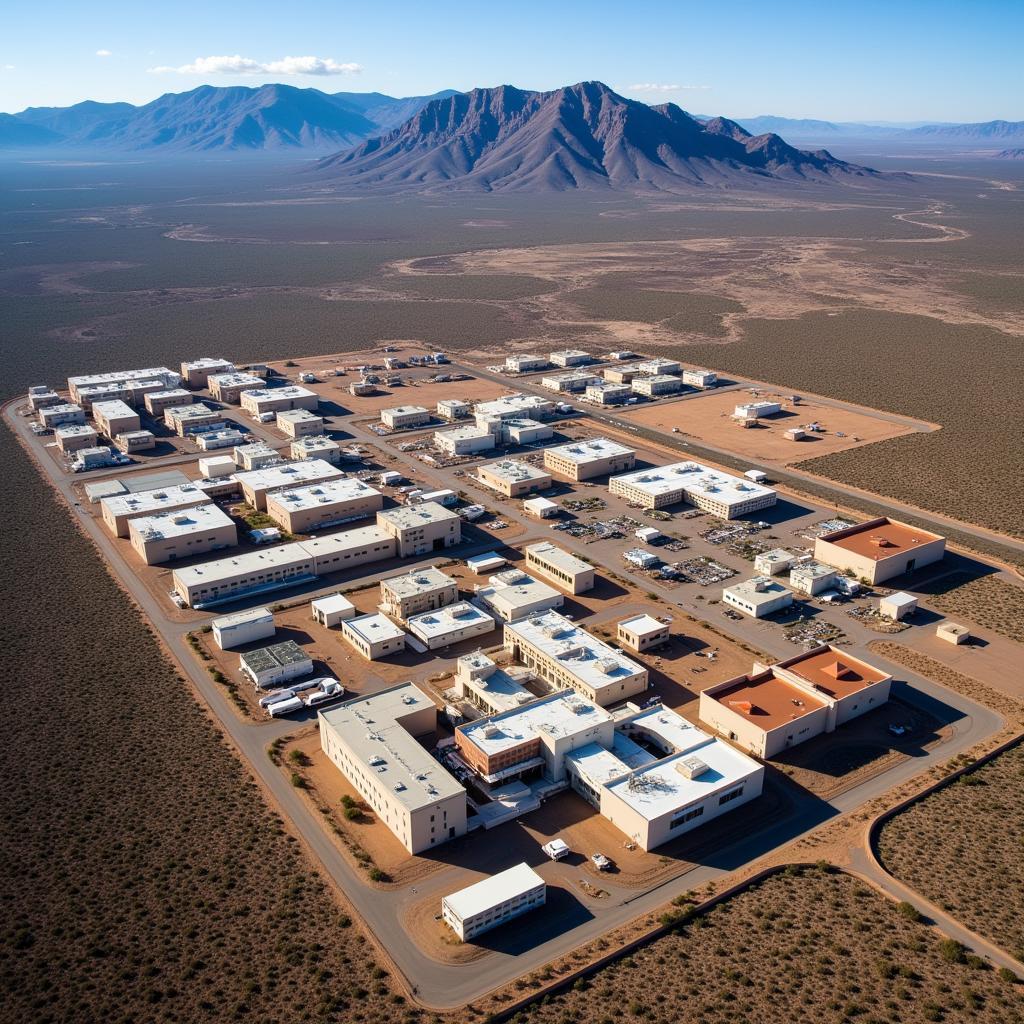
(285, 707)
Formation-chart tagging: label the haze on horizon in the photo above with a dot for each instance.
(914, 62)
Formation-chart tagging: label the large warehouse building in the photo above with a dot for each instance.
(319, 505)
(880, 549)
(185, 533)
(710, 490)
(372, 741)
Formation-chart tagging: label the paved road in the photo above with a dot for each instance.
(447, 986)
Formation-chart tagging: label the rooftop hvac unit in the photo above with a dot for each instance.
(399, 787)
(691, 767)
(491, 731)
(552, 629)
(376, 759)
(408, 699)
(607, 665)
(180, 518)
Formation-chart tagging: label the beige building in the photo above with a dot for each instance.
(556, 564)
(323, 504)
(373, 636)
(449, 625)
(408, 790)
(420, 591)
(113, 418)
(568, 657)
(118, 379)
(295, 423)
(641, 632)
(619, 374)
(158, 402)
(258, 402)
(119, 509)
(135, 441)
(584, 460)
(192, 419)
(465, 440)
(779, 706)
(228, 387)
(332, 609)
(570, 357)
(258, 483)
(62, 415)
(402, 417)
(421, 529)
(196, 372)
(168, 536)
(880, 549)
(655, 387)
(513, 478)
(72, 437)
(512, 595)
(255, 455)
(315, 447)
(607, 393)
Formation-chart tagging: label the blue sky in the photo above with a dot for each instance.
(833, 59)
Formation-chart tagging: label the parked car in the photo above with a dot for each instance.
(556, 849)
(601, 862)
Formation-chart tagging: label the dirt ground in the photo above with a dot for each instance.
(709, 418)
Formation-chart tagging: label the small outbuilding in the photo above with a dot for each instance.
(332, 609)
(641, 632)
(953, 633)
(543, 508)
(897, 606)
(489, 561)
(493, 901)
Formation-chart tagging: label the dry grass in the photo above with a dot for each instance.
(963, 848)
(793, 950)
(986, 600)
(143, 876)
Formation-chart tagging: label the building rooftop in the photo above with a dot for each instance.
(118, 376)
(245, 562)
(510, 404)
(422, 581)
(515, 471)
(141, 502)
(346, 540)
(113, 409)
(514, 589)
(458, 433)
(327, 492)
(592, 450)
(767, 700)
(406, 410)
(74, 430)
(675, 734)
(501, 688)
(600, 765)
(879, 538)
(643, 624)
(329, 604)
(557, 715)
(313, 444)
(263, 395)
(695, 477)
(372, 729)
(234, 380)
(193, 411)
(570, 352)
(559, 557)
(505, 885)
(441, 621)
(759, 590)
(589, 659)
(658, 378)
(288, 652)
(165, 525)
(834, 673)
(239, 618)
(205, 362)
(374, 628)
(812, 570)
(298, 415)
(290, 474)
(406, 517)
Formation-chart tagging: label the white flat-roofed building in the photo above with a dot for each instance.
(295, 423)
(257, 484)
(641, 632)
(487, 904)
(758, 597)
(568, 656)
(373, 636)
(65, 414)
(315, 447)
(424, 590)
(542, 508)
(513, 595)
(583, 460)
(256, 572)
(654, 387)
(90, 394)
(258, 402)
(255, 455)
(119, 509)
(880, 549)
(183, 533)
(515, 407)
(119, 378)
(93, 458)
(372, 741)
(135, 441)
(196, 372)
(334, 552)
(897, 606)
(513, 478)
(276, 664)
(774, 562)
(228, 387)
(556, 564)
(812, 578)
(756, 410)
(241, 628)
(710, 490)
(327, 503)
(658, 368)
(213, 440)
(525, 363)
(402, 417)
(521, 431)
(453, 409)
(196, 418)
(494, 690)
(158, 402)
(41, 396)
(570, 357)
(700, 378)
(215, 466)
(607, 393)
(420, 529)
(74, 436)
(449, 625)
(570, 383)
(332, 609)
(465, 440)
(136, 392)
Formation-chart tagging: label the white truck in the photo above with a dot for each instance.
(556, 849)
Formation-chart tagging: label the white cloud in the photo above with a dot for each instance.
(8, 67)
(239, 65)
(104, 53)
(661, 87)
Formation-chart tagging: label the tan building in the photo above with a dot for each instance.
(785, 704)
(113, 418)
(449, 625)
(407, 789)
(513, 478)
(196, 372)
(119, 509)
(655, 387)
(315, 447)
(584, 460)
(135, 441)
(74, 436)
(196, 418)
(62, 415)
(318, 505)
(424, 590)
(258, 402)
(880, 549)
(373, 636)
(118, 379)
(167, 536)
(619, 374)
(255, 455)
(641, 632)
(294, 423)
(556, 564)
(403, 417)
(228, 387)
(258, 483)
(420, 529)
(158, 402)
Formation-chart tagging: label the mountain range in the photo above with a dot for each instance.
(583, 136)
